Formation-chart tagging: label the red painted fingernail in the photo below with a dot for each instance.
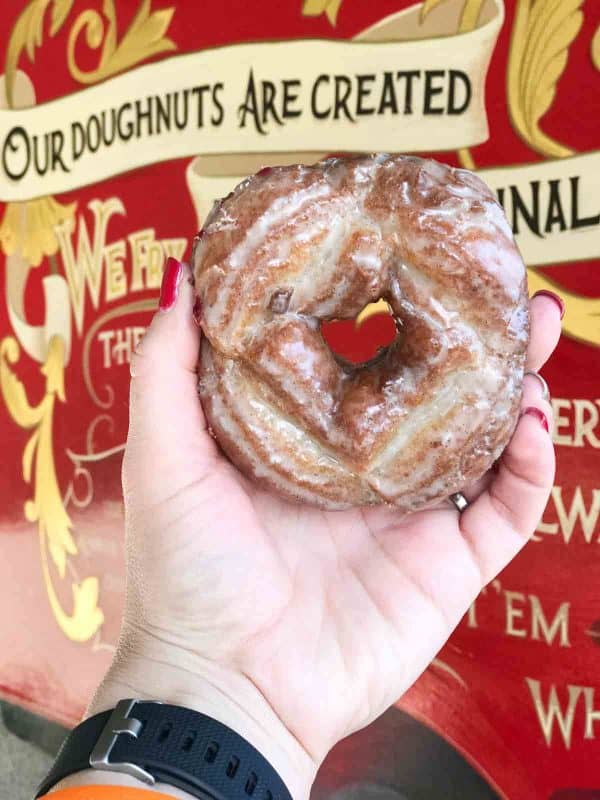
(539, 415)
(170, 283)
(558, 300)
(197, 311)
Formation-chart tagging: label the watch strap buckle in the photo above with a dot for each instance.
(120, 723)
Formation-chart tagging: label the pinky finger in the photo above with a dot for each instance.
(505, 515)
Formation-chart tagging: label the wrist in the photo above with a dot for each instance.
(176, 676)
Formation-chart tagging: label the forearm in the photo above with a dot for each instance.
(229, 698)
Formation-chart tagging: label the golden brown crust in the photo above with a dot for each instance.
(293, 246)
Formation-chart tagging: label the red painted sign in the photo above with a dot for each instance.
(119, 124)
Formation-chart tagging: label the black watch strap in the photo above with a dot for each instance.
(177, 746)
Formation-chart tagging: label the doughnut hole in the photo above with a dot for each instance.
(361, 339)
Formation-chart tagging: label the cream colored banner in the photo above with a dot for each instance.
(553, 207)
(405, 84)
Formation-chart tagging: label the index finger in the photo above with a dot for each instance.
(546, 310)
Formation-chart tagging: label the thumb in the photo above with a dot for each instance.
(168, 445)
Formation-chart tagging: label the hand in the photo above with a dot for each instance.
(295, 626)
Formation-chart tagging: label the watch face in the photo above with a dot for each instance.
(398, 758)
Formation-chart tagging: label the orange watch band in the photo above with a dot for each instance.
(107, 793)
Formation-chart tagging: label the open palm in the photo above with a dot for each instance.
(315, 622)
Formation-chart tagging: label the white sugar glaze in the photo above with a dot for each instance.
(293, 246)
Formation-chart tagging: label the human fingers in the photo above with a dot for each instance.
(546, 310)
(503, 517)
(167, 430)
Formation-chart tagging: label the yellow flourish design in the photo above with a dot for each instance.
(595, 49)
(142, 39)
(28, 228)
(314, 8)
(443, 666)
(468, 18)
(543, 32)
(27, 34)
(46, 506)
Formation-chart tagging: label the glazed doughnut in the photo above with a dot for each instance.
(293, 246)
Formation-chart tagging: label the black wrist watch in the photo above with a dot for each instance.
(156, 742)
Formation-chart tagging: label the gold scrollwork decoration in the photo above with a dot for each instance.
(27, 35)
(468, 17)
(442, 666)
(80, 475)
(46, 507)
(541, 37)
(314, 8)
(80, 472)
(539, 50)
(143, 38)
(28, 228)
(595, 49)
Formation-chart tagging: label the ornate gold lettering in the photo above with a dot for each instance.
(472, 615)
(561, 421)
(116, 279)
(592, 715)
(146, 260)
(550, 713)
(174, 247)
(86, 268)
(513, 613)
(584, 418)
(541, 628)
(576, 513)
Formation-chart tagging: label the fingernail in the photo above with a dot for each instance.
(170, 283)
(539, 415)
(558, 300)
(197, 311)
